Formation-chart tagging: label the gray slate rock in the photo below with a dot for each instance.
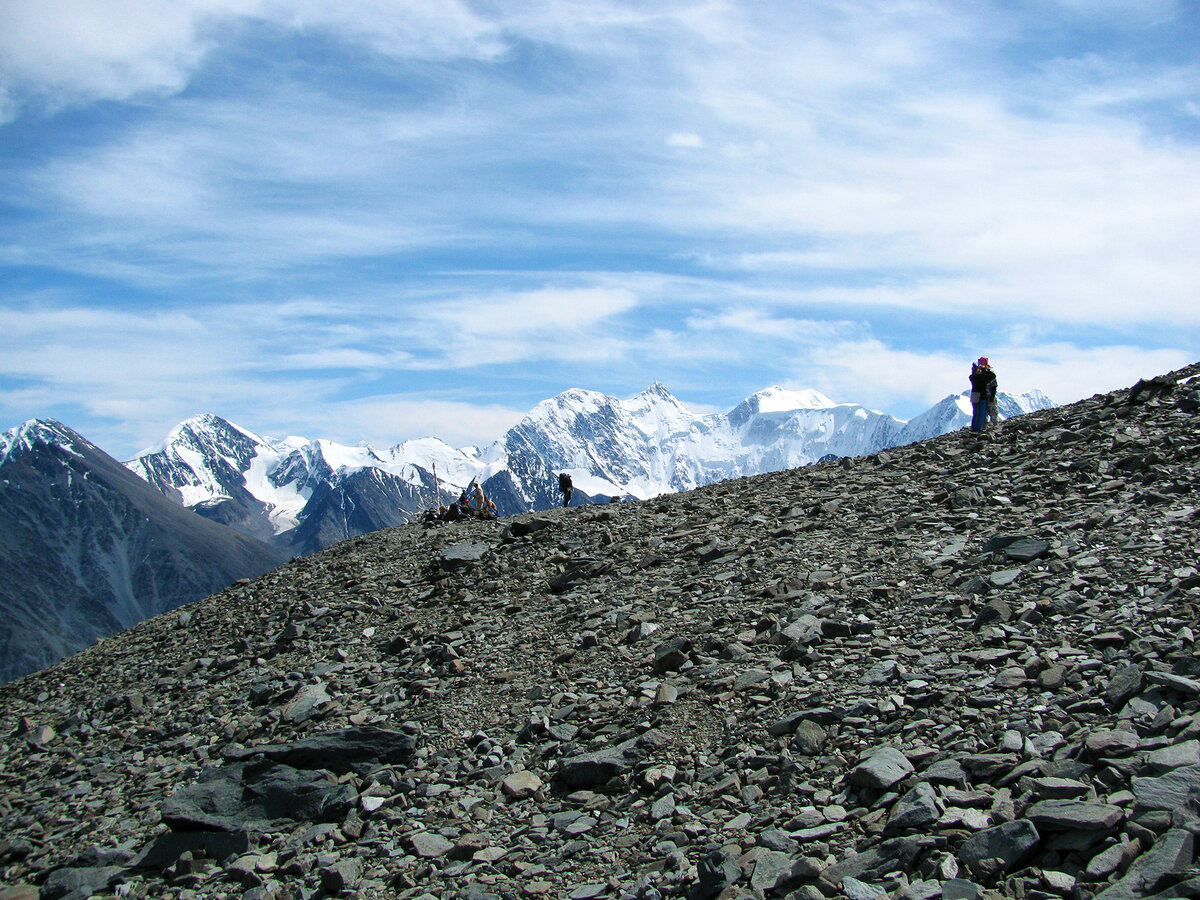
(348, 749)
(918, 808)
(592, 770)
(1067, 815)
(1177, 789)
(166, 848)
(256, 795)
(463, 555)
(1125, 684)
(715, 872)
(1010, 843)
(1172, 853)
(880, 769)
(79, 882)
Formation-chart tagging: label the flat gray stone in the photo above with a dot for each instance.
(882, 767)
(256, 795)
(429, 845)
(1186, 753)
(1189, 687)
(1173, 790)
(1010, 843)
(520, 785)
(340, 751)
(308, 700)
(591, 770)
(1027, 550)
(861, 890)
(1125, 684)
(770, 868)
(463, 555)
(1074, 815)
(810, 738)
(1111, 743)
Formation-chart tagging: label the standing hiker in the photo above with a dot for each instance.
(564, 485)
(992, 411)
(983, 387)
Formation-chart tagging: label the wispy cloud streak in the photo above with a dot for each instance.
(357, 206)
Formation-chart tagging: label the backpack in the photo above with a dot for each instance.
(564, 482)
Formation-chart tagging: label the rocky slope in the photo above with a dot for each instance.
(88, 548)
(961, 668)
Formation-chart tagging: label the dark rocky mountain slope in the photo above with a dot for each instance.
(962, 668)
(88, 548)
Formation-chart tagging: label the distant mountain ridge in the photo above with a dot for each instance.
(88, 548)
(308, 494)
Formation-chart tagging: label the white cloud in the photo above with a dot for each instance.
(68, 51)
(536, 325)
(334, 358)
(384, 421)
(90, 49)
(871, 372)
(549, 310)
(432, 29)
(1068, 372)
(686, 140)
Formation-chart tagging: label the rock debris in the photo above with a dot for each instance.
(958, 669)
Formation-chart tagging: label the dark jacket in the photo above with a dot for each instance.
(983, 382)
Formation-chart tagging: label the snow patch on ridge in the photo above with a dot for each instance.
(777, 399)
(27, 435)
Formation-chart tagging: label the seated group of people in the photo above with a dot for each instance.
(483, 508)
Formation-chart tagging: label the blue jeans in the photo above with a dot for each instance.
(979, 415)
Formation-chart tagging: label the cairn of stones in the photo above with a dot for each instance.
(964, 668)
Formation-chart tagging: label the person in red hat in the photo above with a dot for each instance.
(983, 392)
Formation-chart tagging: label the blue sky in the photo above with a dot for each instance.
(369, 220)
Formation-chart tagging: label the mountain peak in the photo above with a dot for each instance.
(780, 399)
(38, 431)
(776, 399)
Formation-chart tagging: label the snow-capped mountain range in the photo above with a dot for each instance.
(308, 494)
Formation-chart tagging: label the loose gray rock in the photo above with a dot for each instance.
(880, 769)
(256, 795)
(344, 750)
(1010, 844)
(723, 671)
(1177, 789)
(1171, 854)
(917, 809)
